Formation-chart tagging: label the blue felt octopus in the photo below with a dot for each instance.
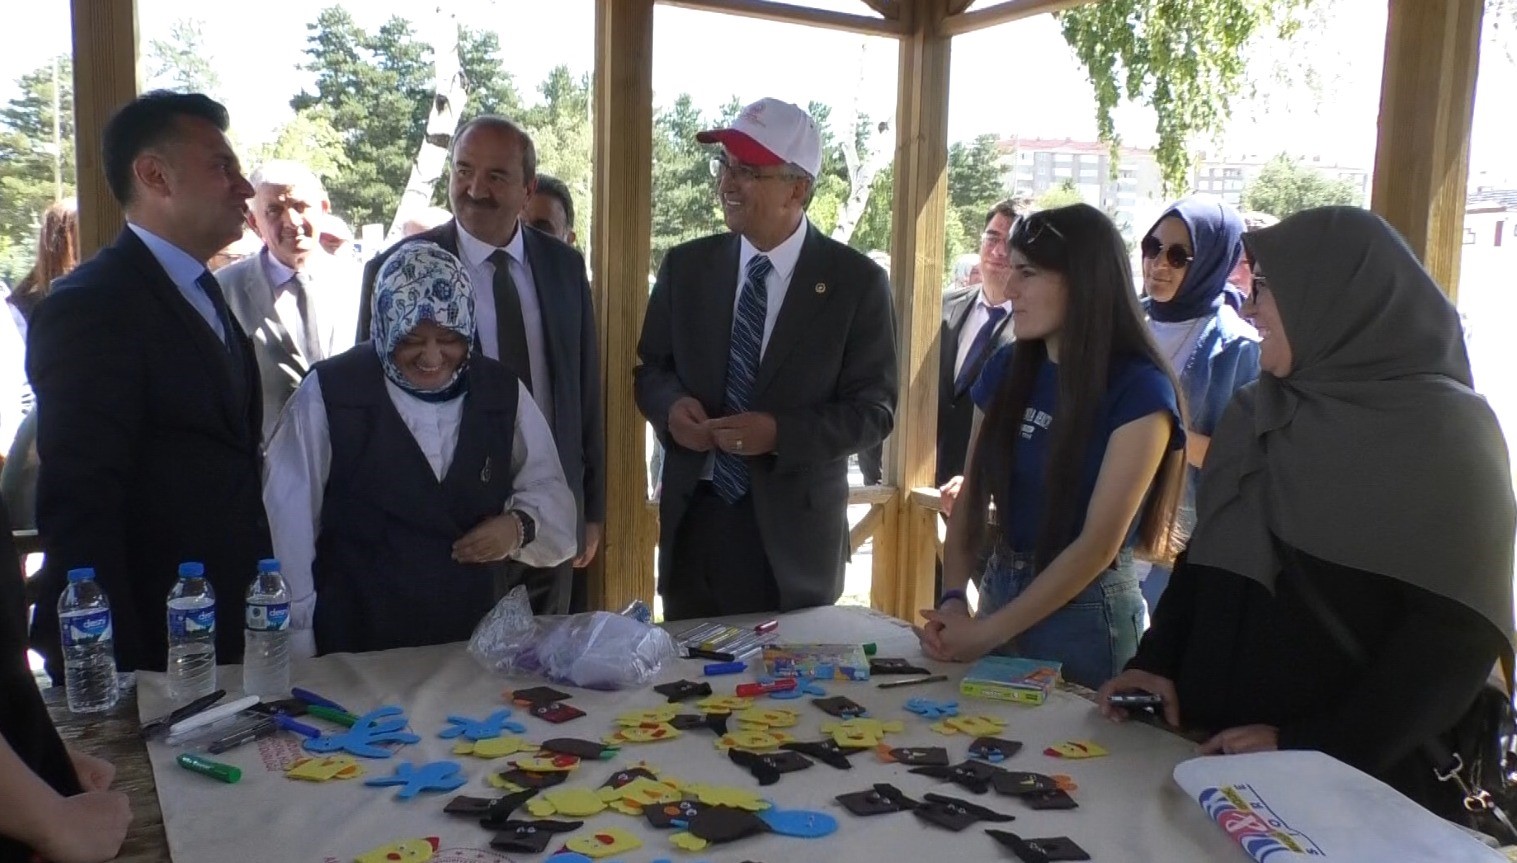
(927, 708)
(437, 776)
(384, 725)
(492, 726)
(804, 685)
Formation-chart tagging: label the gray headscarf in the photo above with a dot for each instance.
(1374, 452)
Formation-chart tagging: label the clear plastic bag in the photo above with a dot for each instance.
(597, 650)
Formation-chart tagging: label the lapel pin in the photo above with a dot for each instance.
(484, 473)
(821, 287)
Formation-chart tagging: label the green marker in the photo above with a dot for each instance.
(340, 717)
(214, 769)
(870, 649)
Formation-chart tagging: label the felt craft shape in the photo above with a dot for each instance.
(494, 725)
(655, 733)
(500, 811)
(673, 814)
(525, 780)
(530, 837)
(993, 749)
(860, 733)
(324, 769)
(1076, 749)
(713, 722)
(683, 690)
(551, 763)
(723, 704)
(826, 751)
(588, 750)
(537, 695)
(914, 756)
(571, 802)
(979, 726)
(954, 814)
(716, 826)
(799, 823)
(1058, 798)
(555, 712)
(413, 779)
(736, 798)
(623, 777)
(402, 851)
(973, 775)
(758, 718)
(379, 726)
(930, 709)
(633, 797)
(804, 686)
(604, 842)
(768, 767)
(882, 799)
(754, 741)
(1016, 784)
(840, 706)
(650, 716)
(495, 747)
(1050, 850)
(887, 666)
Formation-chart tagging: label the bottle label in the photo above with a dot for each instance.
(85, 629)
(273, 617)
(192, 621)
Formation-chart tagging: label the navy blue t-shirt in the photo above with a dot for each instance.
(1135, 389)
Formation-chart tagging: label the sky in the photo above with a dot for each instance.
(1017, 79)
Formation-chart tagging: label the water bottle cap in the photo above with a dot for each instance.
(191, 569)
(268, 564)
(84, 573)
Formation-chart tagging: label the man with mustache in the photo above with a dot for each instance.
(533, 313)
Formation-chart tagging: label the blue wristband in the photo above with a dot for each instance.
(952, 594)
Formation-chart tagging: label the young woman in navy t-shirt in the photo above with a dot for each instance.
(1081, 453)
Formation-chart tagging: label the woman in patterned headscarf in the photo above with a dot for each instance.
(405, 471)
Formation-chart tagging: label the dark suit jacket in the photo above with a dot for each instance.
(828, 376)
(955, 407)
(147, 458)
(563, 290)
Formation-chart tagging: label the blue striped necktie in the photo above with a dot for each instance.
(730, 473)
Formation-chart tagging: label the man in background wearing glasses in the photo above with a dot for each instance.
(767, 357)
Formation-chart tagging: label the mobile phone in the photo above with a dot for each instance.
(1134, 700)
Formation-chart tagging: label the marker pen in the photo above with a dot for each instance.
(749, 690)
(310, 697)
(725, 668)
(206, 767)
(338, 716)
(215, 714)
(246, 735)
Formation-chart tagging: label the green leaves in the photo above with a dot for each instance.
(1183, 58)
(1285, 186)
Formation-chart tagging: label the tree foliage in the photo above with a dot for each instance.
(1285, 186)
(1183, 58)
(1062, 195)
(182, 62)
(28, 160)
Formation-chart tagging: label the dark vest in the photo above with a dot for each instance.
(384, 572)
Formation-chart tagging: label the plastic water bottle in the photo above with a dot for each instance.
(192, 635)
(266, 653)
(89, 651)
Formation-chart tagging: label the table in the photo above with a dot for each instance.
(1130, 808)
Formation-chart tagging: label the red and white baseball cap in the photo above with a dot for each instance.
(771, 132)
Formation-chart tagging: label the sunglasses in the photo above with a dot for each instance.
(1031, 231)
(1176, 255)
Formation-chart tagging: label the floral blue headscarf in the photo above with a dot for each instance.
(421, 282)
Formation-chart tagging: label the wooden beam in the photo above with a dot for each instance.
(105, 78)
(927, 498)
(1005, 13)
(904, 574)
(889, 8)
(1427, 105)
(789, 13)
(865, 528)
(619, 256)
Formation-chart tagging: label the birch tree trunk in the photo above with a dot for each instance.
(447, 107)
(863, 166)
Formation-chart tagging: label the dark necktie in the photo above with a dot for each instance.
(730, 473)
(977, 348)
(236, 361)
(510, 327)
(300, 285)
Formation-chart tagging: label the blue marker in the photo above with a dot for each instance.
(725, 668)
(300, 728)
(310, 697)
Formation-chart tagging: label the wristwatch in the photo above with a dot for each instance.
(528, 527)
(952, 594)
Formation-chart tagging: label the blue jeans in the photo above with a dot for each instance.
(1093, 635)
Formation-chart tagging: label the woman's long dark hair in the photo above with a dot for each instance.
(1102, 320)
(57, 254)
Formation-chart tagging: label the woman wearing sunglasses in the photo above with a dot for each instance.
(1187, 258)
(1081, 453)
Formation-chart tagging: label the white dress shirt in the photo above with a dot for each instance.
(299, 461)
(475, 254)
(979, 313)
(182, 270)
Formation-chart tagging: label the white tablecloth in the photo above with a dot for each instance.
(1130, 809)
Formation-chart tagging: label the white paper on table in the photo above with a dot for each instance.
(1300, 805)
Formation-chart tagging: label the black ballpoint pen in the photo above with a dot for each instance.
(161, 724)
(247, 735)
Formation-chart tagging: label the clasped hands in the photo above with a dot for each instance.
(749, 433)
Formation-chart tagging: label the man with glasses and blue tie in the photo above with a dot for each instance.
(767, 357)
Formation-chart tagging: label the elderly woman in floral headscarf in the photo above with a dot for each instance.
(405, 471)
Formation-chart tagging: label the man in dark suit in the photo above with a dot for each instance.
(533, 313)
(767, 357)
(292, 298)
(147, 391)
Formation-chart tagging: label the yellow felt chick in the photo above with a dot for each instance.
(861, 732)
(403, 851)
(723, 704)
(324, 769)
(547, 764)
(604, 842)
(494, 747)
(776, 717)
(754, 740)
(642, 734)
(642, 791)
(738, 798)
(651, 716)
(570, 802)
(974, 726)
(688, 842)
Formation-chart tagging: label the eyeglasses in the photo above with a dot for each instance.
(744, 173)
(993, 238)
(1176, 255)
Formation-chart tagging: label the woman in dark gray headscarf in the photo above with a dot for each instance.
(1349, 584)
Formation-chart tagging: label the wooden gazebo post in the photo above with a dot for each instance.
(105, 77)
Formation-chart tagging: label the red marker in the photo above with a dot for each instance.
(749, 690)
(767, 626)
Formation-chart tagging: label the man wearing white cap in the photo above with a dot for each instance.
(767, 357)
